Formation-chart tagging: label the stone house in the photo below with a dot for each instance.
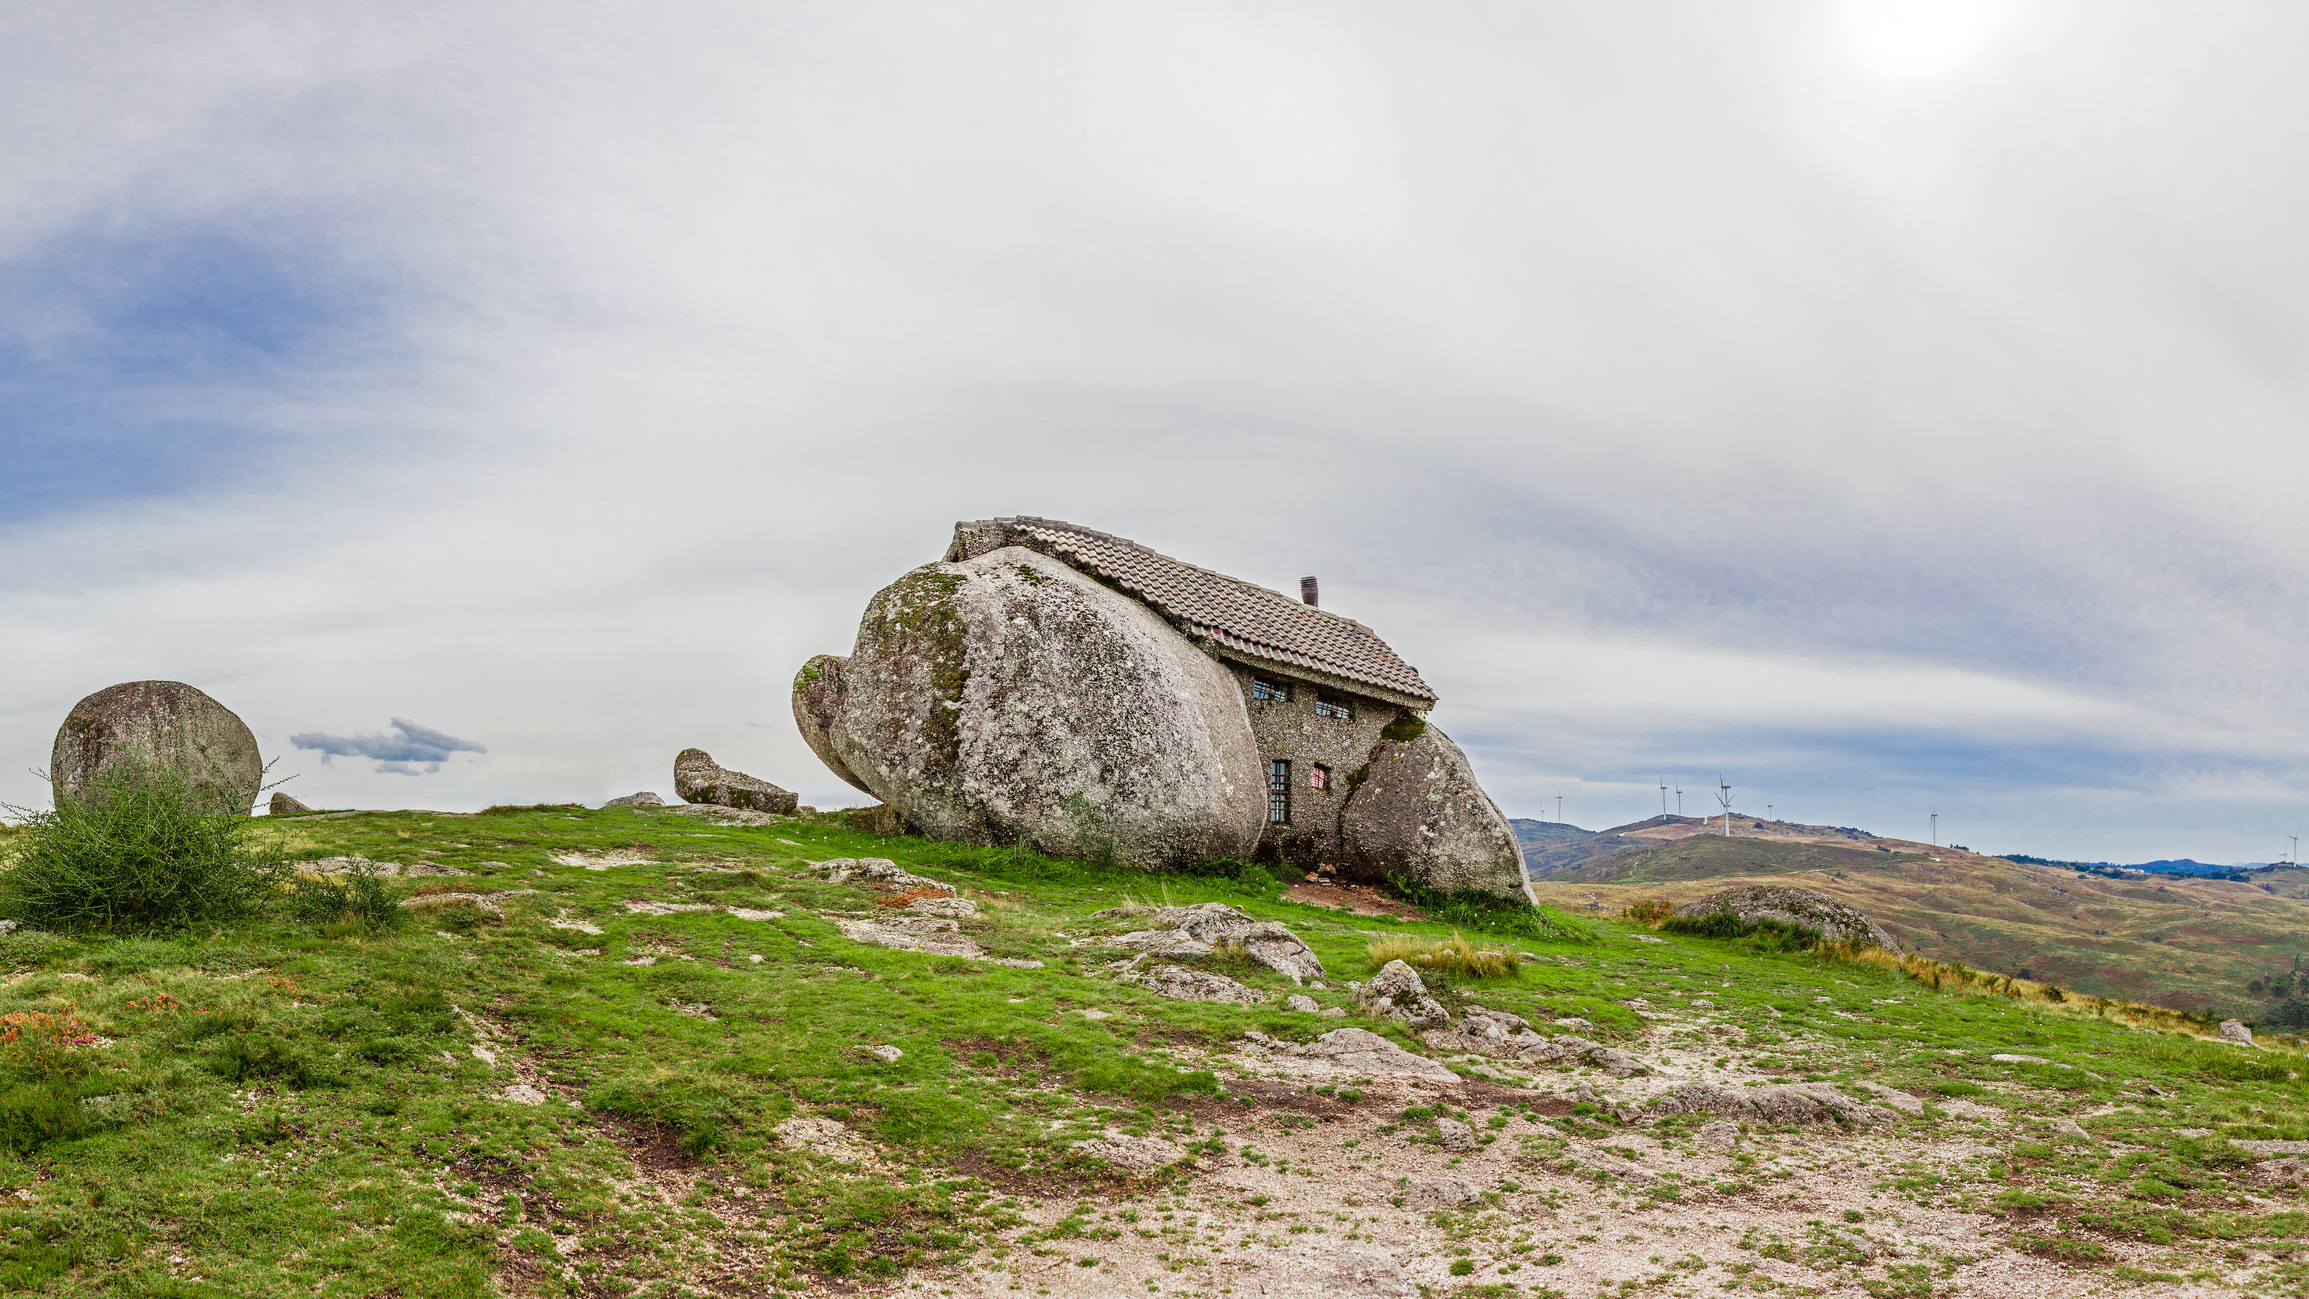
(1320, 689)
(1056, 685)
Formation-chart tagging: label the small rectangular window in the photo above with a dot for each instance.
(1262, 688)
(1319, 778)
(1338, 706)
(1279, 793)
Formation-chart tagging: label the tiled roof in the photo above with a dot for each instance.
(1233, 615)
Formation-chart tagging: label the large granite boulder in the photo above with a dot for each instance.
(1838, 922)
(697, 778)
(1419, 812)
(163, 725)
(1009, 697)
(817, 706)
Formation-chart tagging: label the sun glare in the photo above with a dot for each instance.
(1899, 39)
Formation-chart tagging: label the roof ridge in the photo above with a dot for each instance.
(1295, 603)
(1244, 620)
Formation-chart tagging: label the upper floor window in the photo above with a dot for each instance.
(1263, 688)
(1338, 706)
(1319, 778)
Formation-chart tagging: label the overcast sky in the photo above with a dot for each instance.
(1890, 406)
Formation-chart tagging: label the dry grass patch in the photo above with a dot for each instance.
(1453, 955)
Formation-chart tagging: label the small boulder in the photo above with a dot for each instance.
(1808, 1104)
(1360, 1273)
(283, 805)
(1135, 1155)
(1302, 1003)
(1457, 1137)
(886, 1053)
(2235, 1031)
(164, 725)
(1718, 1136)
(880, 819)
(1397, 992)
(697, 778)
(942, 908)
(642, 799)
(1442, 1193)
(1182, 984)
(1838, 922)
(1494, 1033)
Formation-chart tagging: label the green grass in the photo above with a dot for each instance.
(294, 1106)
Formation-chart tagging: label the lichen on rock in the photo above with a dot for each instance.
(983, 707)
(1751, 904)
(1420, 813)
(162, 725)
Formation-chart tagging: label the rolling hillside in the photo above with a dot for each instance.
(2184, 943)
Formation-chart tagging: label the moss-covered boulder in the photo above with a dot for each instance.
(1754, 904)
(1009, 697)
(697, 778)
(162, 725)
(1417, 812)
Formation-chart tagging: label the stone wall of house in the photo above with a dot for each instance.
(1291, 730)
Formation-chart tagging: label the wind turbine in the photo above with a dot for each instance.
(1679, 800)
(1936, 827)
(1663, 800)
(2296, 857)
(1724, 796)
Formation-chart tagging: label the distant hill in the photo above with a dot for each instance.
(2170, 866)
(2190, 942)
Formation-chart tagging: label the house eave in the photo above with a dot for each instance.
(1314, 676)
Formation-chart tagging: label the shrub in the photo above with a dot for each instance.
(138, 850)
(1491, 913)
(1763, 935)
(1453, 955)
(37, 1045)
(361, 896)
(1649, 911)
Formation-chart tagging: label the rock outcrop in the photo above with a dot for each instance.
(1418, 811)
(1754, 903)
(283, 805)
(642, 799)
(1344, 1051)
(1397, 992)
(160, 725)
(697, 778)
(1201, 929)
(1182, 984)
(1009, 697)
(1794, 1103)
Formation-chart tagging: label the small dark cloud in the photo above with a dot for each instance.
(398, 755)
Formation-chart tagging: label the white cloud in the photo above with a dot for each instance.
(1663, 394)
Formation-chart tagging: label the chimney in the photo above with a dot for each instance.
(1307, 592)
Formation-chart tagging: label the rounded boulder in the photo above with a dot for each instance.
(1419, 812)
(162, 725)
(1009, 697)
(1838, 922)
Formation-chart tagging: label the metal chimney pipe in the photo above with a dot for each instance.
(1307, 592)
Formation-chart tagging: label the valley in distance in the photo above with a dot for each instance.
(2183, 938)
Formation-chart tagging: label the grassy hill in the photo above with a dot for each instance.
(632, 1052)
(2185, 943)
